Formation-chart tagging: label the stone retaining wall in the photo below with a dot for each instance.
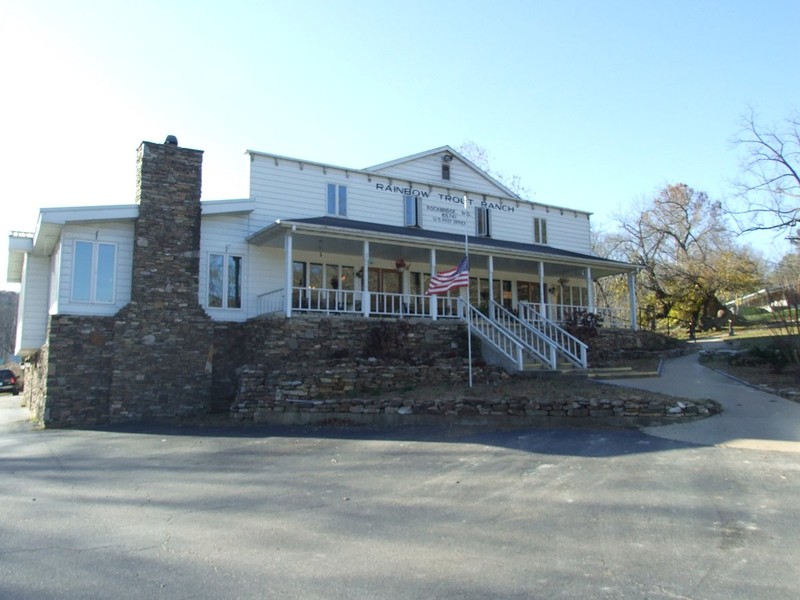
(317, 369)
(407, 408)
(310, 359)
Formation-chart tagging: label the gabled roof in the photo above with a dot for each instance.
(442, 150)
(376, 169)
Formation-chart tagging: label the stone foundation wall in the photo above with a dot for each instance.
(74, 372)
(322, 363)
(228, 356)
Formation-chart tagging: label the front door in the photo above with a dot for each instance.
(385, 289)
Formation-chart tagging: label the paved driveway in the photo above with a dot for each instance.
(407, 513)
(750, 418)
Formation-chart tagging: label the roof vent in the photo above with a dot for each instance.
(171, 140)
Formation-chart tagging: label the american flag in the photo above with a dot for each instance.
(447, 280)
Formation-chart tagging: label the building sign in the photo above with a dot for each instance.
(406, 191)
(444, 215)
(411, 191)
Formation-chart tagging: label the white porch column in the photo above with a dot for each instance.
(542, 290)
(590, 288)
(365, 281)
(434, 305)
(490, 267)
(632, 297)
(287, 284)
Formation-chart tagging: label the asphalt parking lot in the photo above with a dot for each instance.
(404, 513)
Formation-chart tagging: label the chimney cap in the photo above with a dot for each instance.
(171, 140)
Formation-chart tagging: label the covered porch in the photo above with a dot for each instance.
(337, 267)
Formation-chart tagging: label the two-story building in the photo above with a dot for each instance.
(163, 274)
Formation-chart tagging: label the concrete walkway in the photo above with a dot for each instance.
(750, 419)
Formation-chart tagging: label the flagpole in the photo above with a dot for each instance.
(469, 314)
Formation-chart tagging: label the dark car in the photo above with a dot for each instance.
(9, 382)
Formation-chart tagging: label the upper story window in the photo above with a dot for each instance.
(412, 209)
(94, 272)
(446, 171)
(482, 221)
(224, 281)
(539, 231)
(337, 200)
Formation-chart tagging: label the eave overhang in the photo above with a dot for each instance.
(332, 227)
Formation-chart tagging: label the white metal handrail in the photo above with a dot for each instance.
(568, 345)
(534, 340)
(502, 340)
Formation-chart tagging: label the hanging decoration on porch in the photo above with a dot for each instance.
(448, 280)
(401, 265)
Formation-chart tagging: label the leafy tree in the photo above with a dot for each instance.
(770, 185)
(688, 256)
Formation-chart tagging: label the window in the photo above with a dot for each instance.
(446, 171)
(482, 221)
(94, 272)
(224, 281)
(413, 211)
(539, 231)
(337, 200)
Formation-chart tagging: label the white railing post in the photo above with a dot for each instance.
(288, 281)
(365, 299)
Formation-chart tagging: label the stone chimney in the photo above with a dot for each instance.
(167, 238)
(163, 339)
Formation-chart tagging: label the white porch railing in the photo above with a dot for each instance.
(330, 300)
(498, 337)
(614, 317)
(271, 302)
(568, 345)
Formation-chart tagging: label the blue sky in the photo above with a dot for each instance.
(592, 104)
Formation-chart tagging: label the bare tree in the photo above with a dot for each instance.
(770, 186)
(479, 156)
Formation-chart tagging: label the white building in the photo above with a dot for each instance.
(315, 237)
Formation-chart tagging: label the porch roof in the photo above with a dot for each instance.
(414, 238)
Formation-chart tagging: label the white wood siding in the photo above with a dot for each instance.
(226, 234)
(33, 301)
(428, 170)
(286, 191)
(120, 234)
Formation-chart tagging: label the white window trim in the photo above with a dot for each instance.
(225, 256)
(487, 221)
(93, 276)
(417, 200)
(540, 231)
(338, 200)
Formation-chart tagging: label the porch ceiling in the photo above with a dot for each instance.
(343, 236)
